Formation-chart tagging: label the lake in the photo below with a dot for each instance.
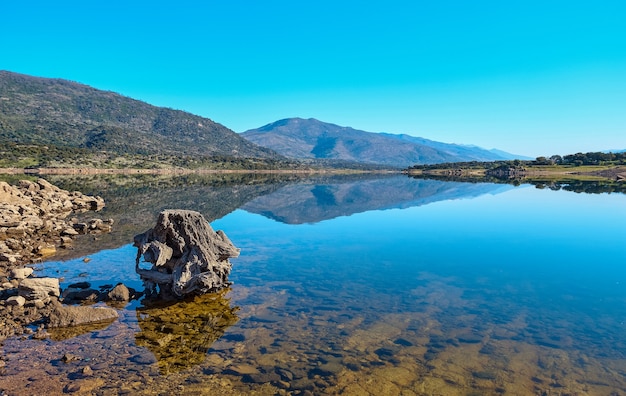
(355, 285)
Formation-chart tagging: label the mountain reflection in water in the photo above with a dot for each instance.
(312, 202)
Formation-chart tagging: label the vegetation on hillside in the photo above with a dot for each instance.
(66, 116)
(33, 156)
(52, 123)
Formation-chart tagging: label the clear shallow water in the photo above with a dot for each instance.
(508, 291)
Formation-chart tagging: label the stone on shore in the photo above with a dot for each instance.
(39, 288)
(16, 300)
(119, 293)
(66, 316)
(21, 273)
(187, 255)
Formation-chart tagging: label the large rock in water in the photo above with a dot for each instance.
(187, 256)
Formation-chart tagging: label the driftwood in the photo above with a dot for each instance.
(187, 256)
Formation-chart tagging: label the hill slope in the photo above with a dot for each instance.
(43, 111)
(310, 138)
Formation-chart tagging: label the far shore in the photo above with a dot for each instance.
(586, 172)
(175, 171)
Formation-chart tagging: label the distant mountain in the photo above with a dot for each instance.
(44, 111)
(310, 138)
(510, 156)
(473, 153)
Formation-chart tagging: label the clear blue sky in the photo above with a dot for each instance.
(529, 77)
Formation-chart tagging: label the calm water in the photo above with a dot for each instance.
(378, 286)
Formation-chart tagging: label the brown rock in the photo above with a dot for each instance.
(65, 316)
(84, 386)
(119, 293)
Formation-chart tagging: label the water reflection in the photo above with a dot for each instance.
(134, 201)
(312, 201)
(65, 333)
(179, 334)
(573, 184)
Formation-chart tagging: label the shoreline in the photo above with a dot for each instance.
(181, 171)
(611, 173)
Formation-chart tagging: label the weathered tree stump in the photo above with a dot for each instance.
(187, 256)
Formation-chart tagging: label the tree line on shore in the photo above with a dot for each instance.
(571, 160)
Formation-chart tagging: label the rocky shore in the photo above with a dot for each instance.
(36, 220)
(31, 305)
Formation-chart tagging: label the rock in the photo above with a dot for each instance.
(69, 232)
(84, 386)
(187, 256)
(16, 301)
(11, 258)
(75, 294)
(68, 357)
(46, 250)
(80, 228)
(242, 369)
(119, 293)
(285, 374)
(39, 288)
(41, 334)
(80, 285)
(65, 316)
(39, 304)
(21, 273)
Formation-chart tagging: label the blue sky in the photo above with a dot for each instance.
(529, 77)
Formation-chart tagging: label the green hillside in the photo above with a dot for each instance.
(44, 112)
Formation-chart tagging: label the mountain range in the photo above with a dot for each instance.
(311, 138)
(61, 114)
(45, 111)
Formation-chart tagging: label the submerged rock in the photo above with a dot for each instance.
(65, 316)
(187, 255)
